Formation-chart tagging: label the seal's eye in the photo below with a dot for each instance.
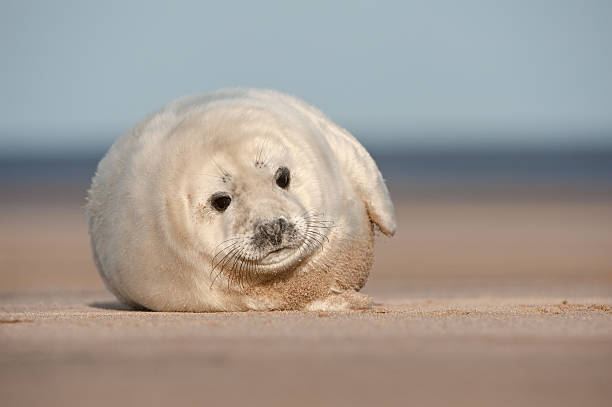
(220, 201)
(282, 177)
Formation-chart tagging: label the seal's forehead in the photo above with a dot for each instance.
(254, 150)
(222, 126)
(239, 138)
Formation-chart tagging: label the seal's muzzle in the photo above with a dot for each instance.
(272, 233)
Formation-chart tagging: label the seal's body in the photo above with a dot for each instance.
(242, 199)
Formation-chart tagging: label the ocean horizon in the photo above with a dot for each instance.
(527, 165)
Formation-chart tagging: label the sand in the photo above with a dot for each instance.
(478, 302)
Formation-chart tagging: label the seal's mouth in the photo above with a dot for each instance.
(242, 258)
(280, 259)
(277, 255)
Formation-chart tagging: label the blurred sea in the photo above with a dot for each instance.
(420, 173)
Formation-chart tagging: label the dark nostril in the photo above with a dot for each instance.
(282, 224)
(273, 231)
(269, 229)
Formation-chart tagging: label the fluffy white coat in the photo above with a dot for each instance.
(159, 243)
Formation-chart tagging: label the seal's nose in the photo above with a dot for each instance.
(272, 231)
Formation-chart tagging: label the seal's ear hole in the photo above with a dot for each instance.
(283, 177)
(220, 201)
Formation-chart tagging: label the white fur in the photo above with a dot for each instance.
(154, 234)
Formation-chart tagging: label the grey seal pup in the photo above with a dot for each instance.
(242, 199)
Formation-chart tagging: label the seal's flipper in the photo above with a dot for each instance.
(367, 180)
(344, 301)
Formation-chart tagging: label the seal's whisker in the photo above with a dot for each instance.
(251, 270)
(221, 268)
(263, 153)
(322, 226)
(313, 214)
(237, 258)
(319, 234)
(239, 276)
(215, 279)
(204, 173)
(229, 274)
(316, 216)
(314, 235)
(313, 242)
(318, 219)
(230, 239)
(230, 243)
(224, 249)
(220, 252)
(223, 253)
(258, 160)
(243, 263)
(223, 261)
(221, 170)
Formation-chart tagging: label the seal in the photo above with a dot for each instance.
(242, 199)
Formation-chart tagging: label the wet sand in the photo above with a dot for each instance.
(479, 301)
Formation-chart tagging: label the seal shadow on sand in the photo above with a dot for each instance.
(116, 306)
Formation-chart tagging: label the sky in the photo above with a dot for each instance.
(77, 74)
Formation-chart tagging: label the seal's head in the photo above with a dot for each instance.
(241, 199)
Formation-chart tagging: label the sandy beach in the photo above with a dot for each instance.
(483, 300)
